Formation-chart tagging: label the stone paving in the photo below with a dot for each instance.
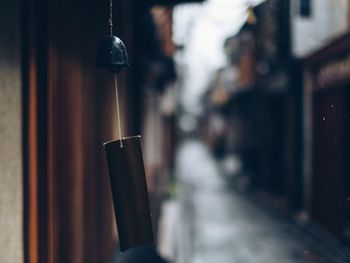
(216, 225)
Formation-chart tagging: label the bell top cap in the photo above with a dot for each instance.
(112, 54)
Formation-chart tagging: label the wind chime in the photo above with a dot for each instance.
(125, 160)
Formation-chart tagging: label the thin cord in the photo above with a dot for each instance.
(111, 17)
(115, 74)
(118, 113)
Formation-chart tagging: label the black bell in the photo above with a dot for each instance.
(112, 54)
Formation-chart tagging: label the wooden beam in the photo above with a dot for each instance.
(171, 2)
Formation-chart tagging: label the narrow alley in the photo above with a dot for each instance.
(175, 131)
(218, 224)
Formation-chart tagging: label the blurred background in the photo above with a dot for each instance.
(243, 107)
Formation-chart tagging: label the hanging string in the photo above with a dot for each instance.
(115, 75)
(111, 17)
(118, 112)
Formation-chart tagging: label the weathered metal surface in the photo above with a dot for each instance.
(112, 54)
(129, 189)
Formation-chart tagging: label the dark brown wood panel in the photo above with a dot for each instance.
(331, 152)
(69, 111)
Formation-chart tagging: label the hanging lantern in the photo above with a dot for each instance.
(251, 19)
(125, 161)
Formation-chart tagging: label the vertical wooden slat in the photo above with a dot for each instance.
(32, 155)
(53, 255)
(307, 140)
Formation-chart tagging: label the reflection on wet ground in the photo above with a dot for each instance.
(217, 225)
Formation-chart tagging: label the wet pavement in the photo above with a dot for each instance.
(215, 224)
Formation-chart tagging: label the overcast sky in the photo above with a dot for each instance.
(202, 29)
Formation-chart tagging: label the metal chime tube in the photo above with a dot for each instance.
(129, 189)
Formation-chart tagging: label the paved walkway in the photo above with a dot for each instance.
(216, 225)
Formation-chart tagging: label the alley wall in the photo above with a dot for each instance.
(10, 133)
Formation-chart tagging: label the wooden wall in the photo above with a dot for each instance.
(328, 100)
(70, 112)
